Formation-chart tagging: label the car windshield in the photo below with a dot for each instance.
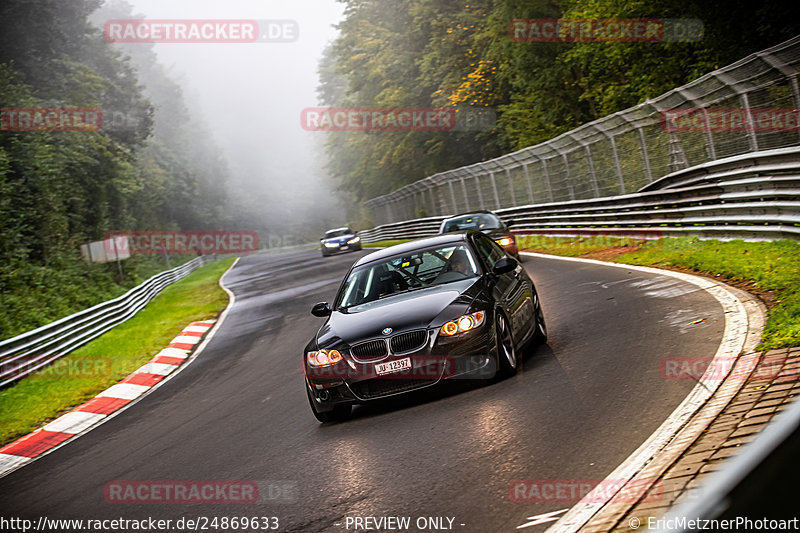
(407, 272)
(482, 221)
(338, 233)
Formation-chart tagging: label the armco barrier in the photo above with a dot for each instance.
(35, 349)
(750, 196)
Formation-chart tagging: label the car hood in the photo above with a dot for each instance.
(431, 306)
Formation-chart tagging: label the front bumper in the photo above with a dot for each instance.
(465, 356)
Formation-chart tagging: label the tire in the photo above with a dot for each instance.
(324, 254)
(540, 337)
(507, 358)
(337, 414)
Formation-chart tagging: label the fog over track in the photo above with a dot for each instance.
(579, 406)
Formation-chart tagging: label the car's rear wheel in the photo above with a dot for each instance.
(337, 414)
(540, 337)
(507, 360)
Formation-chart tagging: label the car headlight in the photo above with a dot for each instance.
(323, 357)
(331, 245)
(354, 240)
(505, 241)
(464, 323)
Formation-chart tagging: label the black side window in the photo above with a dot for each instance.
(489, 250)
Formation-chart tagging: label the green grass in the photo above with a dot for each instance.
(383, 244)
(104, 361)
(770, 266)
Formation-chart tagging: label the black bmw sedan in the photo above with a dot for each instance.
(409, 316)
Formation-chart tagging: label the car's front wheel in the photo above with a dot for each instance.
(337, 414)
(507, 361)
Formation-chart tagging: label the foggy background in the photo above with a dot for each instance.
(251, 96)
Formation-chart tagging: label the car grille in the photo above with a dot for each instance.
(369, 350)
(405, 342)
(376, 388)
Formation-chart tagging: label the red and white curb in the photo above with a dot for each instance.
(86, 416)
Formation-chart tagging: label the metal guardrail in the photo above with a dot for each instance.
(35, 349)
(621, 153)
(752, 196)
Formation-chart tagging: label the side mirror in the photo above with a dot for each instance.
(322, 309)
(504, 265)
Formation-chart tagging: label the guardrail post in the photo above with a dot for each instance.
(750, 127)
(454, 210)
(466, 196)
(434, 207)
(494, 188)
(547, 180)
(569, 178)
(712, 151)
(481, 205)
(795, 93)
(595, 188)
(528, 182)
(645, 159)
(616, 164)
(677, 159)
(511, 187)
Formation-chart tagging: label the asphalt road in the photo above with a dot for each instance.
(578, 408)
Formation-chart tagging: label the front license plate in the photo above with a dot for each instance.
(393, 366)
(345, 247)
